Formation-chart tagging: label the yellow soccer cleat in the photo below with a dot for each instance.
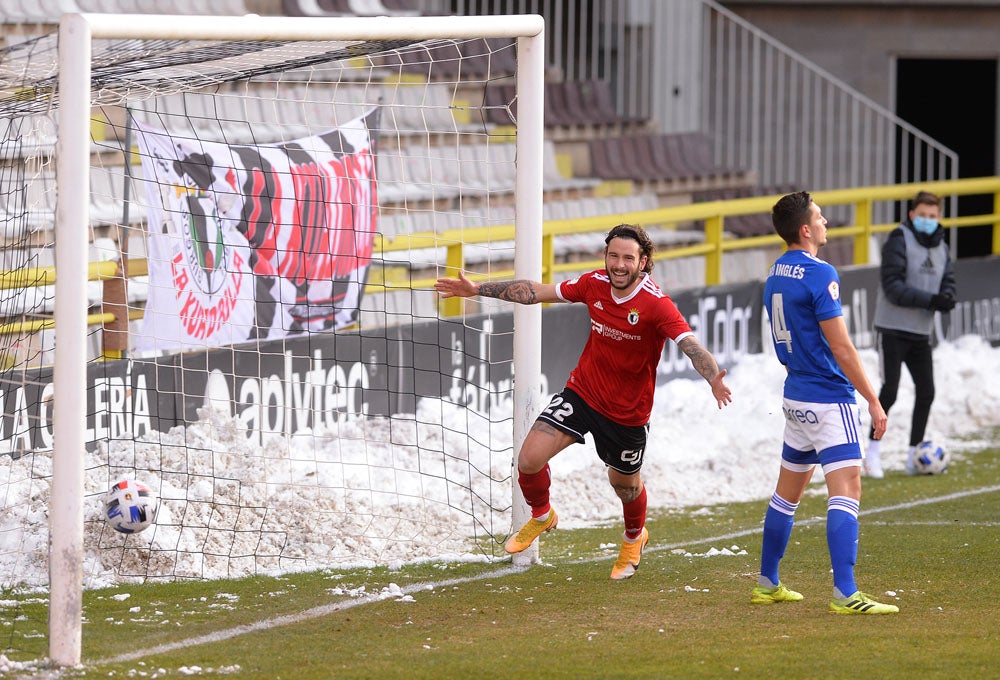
(629, 556)
(764, 595)
(531, 530)
(859, 603)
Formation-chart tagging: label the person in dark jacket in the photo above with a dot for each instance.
(918, 279)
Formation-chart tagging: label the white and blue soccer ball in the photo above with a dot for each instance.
(930, 459)
(130, 506)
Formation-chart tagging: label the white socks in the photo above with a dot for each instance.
(873, 460)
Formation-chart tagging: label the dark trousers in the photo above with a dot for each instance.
(915, 352)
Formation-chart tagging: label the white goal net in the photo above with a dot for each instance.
(262, 346)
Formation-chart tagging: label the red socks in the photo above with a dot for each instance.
(535, 488)
(635, 515)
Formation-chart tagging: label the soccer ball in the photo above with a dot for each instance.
(130, 506)
(930, 459)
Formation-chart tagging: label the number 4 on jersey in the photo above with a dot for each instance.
(778, 328)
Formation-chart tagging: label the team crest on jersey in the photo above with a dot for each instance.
(633, 316)
(834, 289)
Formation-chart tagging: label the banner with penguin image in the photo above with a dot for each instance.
(256, 242)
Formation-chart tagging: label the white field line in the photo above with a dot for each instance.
(298, 617)
(817, 520)
(324, 610)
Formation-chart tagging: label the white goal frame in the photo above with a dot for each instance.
(76, 33)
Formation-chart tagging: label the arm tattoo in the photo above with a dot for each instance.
(701, 358)
(520, 291)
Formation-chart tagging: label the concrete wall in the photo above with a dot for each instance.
(859, 43)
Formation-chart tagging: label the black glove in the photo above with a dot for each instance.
(942, 302)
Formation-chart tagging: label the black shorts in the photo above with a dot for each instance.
(620, 446)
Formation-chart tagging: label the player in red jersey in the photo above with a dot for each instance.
(610, 392)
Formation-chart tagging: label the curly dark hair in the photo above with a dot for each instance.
(637, 234)
(790, 213)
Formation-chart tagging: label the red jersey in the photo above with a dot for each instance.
(616, 374)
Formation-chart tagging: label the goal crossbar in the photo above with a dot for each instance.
(77, 32)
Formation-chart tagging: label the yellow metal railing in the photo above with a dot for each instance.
(712, 213)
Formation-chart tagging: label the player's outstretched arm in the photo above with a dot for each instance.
(705, 364)
(460, 287)
(521, 291)
(846, 354)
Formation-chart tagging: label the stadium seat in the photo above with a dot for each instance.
(329, 8)
(234, 125)
(391, 176)
(473, 58)
(405, 7)
(38, 11)
(27, 135)
(487, 167)
(182, 7)
(279, 119)
(583, 103)
(426, 174)
(611, 159)
(503, 57)
(556, 112)
(597, 93)
(325, 109)
(395, 223)
(478, 60)
(641, 155)
(336, 7)
(422, 107)
(670, 157)
(103, 207)
(553, 179)
(376, 8)
(745, 225)
(690, 155)
(107, 196)
(500, 103)
(682, 160)
(554, 210)
(583, 112)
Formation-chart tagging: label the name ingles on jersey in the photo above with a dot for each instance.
(792, 271)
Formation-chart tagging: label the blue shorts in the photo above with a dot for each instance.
(820, 433)
(621, 447)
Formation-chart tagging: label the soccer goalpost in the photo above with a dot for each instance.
(344, 147)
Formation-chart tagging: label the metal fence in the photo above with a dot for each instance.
(692, 65)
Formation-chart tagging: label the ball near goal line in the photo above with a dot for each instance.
(130, 506)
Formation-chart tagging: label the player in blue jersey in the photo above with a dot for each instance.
(822, 418)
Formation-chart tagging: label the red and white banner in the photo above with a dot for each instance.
(256, 242)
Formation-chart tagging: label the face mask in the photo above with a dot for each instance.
(925, 225)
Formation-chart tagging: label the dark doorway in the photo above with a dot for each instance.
(962, 117)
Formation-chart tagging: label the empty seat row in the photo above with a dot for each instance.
(359, 8)
(682, 157)
(444, 172)
(745, 225)
(49, 11)
(394, 223)
(23, 136)
(296, 110)
(475, 58)
(28, 202)
(570, 103)
(415, 173)
(428, 173)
